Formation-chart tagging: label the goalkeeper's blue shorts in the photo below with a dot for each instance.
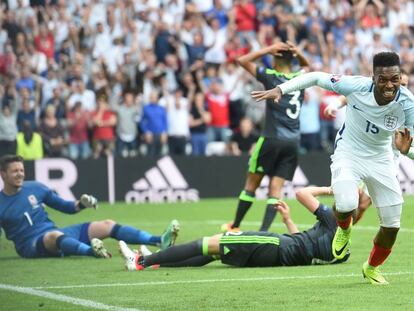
(34, 248)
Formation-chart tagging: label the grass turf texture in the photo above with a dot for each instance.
(215, 286)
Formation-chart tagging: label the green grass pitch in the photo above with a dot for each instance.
(61, 284)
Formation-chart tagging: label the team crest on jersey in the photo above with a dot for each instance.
(33, 201)
(390, 122)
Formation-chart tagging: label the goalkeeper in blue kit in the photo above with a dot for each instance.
(26, 223)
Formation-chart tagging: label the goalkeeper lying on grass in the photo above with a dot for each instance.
(25, 221)
(258, 249)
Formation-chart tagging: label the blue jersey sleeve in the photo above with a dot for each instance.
(53, 200)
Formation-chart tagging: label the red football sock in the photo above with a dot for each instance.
(378, 255)
(344, 224)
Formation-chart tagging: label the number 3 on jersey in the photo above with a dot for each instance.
(371, 128)
(294, 101)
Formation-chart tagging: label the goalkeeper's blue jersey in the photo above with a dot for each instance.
(22, 215)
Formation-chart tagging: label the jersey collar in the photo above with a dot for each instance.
(282, 74)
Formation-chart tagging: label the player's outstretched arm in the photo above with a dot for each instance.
(275, 94)
(307, 196)
(53, 200)
(321, 79)
(284, 210)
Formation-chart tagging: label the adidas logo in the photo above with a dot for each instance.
(163, 183)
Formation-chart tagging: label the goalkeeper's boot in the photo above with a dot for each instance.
(169, 237)
(99, 249)
(341, 242)
(373, 274)
(132, 259)
(228, 227)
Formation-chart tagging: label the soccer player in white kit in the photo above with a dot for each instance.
(377, 107)
(333, 107)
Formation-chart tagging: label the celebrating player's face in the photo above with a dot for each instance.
(14, 175)
(387, 82)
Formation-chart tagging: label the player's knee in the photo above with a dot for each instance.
(345, 204)
(51, 237)
(346, 196)
(108, 223)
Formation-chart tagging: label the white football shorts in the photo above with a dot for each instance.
(379, 175)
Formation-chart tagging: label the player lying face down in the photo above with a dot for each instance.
(258, 249)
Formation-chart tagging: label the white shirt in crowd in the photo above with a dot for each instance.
(87, 98)
(177, 115)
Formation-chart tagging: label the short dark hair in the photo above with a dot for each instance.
(285, 55)
(7, 159)
(386, 59)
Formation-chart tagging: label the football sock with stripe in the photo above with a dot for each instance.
(270, 214)
(246, 199)
(175, 254)
(132, 235)
(345, 223)
(378, 255)
(70, 246)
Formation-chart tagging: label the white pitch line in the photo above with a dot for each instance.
(63, 298)
(275, 278)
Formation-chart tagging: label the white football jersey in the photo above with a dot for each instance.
(369, 127)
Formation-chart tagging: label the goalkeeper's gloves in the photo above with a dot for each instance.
(88, 201)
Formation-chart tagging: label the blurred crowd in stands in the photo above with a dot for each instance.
(89, 78)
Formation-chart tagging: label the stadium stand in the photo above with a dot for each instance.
(61, 53)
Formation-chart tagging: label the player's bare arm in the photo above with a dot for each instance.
(248, 61)
(364, 202)
(284, 210)
(321, 79)
(307, 196)
(275, 94)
